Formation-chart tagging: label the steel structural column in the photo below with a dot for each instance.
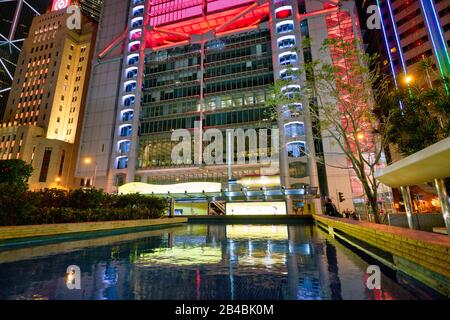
(408, 205)
(444, 201)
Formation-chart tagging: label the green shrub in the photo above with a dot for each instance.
(59, 206)
(70, 215)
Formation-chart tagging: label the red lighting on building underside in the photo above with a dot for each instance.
(166, 34)
(176, 22)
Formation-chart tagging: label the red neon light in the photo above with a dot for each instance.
(199, 25)
(113, 44)
(172, 23)
(340, 26)
(60, 4)
(284, 13)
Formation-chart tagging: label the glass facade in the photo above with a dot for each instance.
(237, 74)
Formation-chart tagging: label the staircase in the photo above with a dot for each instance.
(217, 208)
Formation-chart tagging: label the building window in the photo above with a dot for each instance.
(294, 129)
(296, 149)
(61, 163)
(45, 165)
(122, 163)
(285, 26)
(286, 42)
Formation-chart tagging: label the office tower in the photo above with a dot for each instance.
(43, 116)
(414, 31)
(91, 8)
(165, 65)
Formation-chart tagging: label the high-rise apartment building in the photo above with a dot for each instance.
(43, 116)
(167, 65)
(415, 30)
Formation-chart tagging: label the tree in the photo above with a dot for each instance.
(341, 93)
(15, 173)
(14, 176)
(423, 118)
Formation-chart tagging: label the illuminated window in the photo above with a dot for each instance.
(127, 115)
(288, 74)
(132, 59)
(122, 162)
(130, 86)
(283, 12)
(125, 146)
(129, 101)
(131, 73)
(137, 11)
(285, 26)
(294, 129)
(296, 149)
(287, 58)
(286, 42)
(126, 131)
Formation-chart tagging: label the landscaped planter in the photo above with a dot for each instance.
(16, 232)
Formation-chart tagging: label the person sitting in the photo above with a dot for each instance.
(330, 209)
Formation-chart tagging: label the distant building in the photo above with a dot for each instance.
(43, 116)
(91, 8)
(415, 30)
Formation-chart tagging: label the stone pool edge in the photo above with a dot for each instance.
(419, 254)
(33, 231)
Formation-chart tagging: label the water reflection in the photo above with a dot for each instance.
(214, 261)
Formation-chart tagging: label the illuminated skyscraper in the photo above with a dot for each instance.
(165, 65)
(415, 30)
(42, 119)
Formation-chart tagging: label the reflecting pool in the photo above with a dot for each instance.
(199, 261)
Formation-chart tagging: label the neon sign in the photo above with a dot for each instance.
(60, 4)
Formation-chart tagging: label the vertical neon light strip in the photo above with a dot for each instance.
(394, 75)
(394, 27)
(387, 44)
(437, 38)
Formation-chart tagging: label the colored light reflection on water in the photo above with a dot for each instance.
(214, 261)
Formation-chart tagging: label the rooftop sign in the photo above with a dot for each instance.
(60, 4)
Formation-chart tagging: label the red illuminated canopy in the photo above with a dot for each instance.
(179, 20)
(170, 23)
(175, 22)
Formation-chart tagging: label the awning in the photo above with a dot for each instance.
(420, 167)
(213, 191)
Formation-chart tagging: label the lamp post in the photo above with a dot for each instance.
(89, 161)
(408, 79)
(58, 181)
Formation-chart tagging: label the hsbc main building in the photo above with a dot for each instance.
(165, 65)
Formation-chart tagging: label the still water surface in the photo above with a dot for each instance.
(199, 261)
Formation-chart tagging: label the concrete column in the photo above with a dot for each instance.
(172, 208)
(443, 201)
(408, 205)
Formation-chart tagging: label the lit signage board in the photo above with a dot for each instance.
(179, 188)
(256, 208)
(60, 4)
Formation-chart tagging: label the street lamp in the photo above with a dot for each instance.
(408, 79)
(58, 181)
(360, 136)
(88, 161)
